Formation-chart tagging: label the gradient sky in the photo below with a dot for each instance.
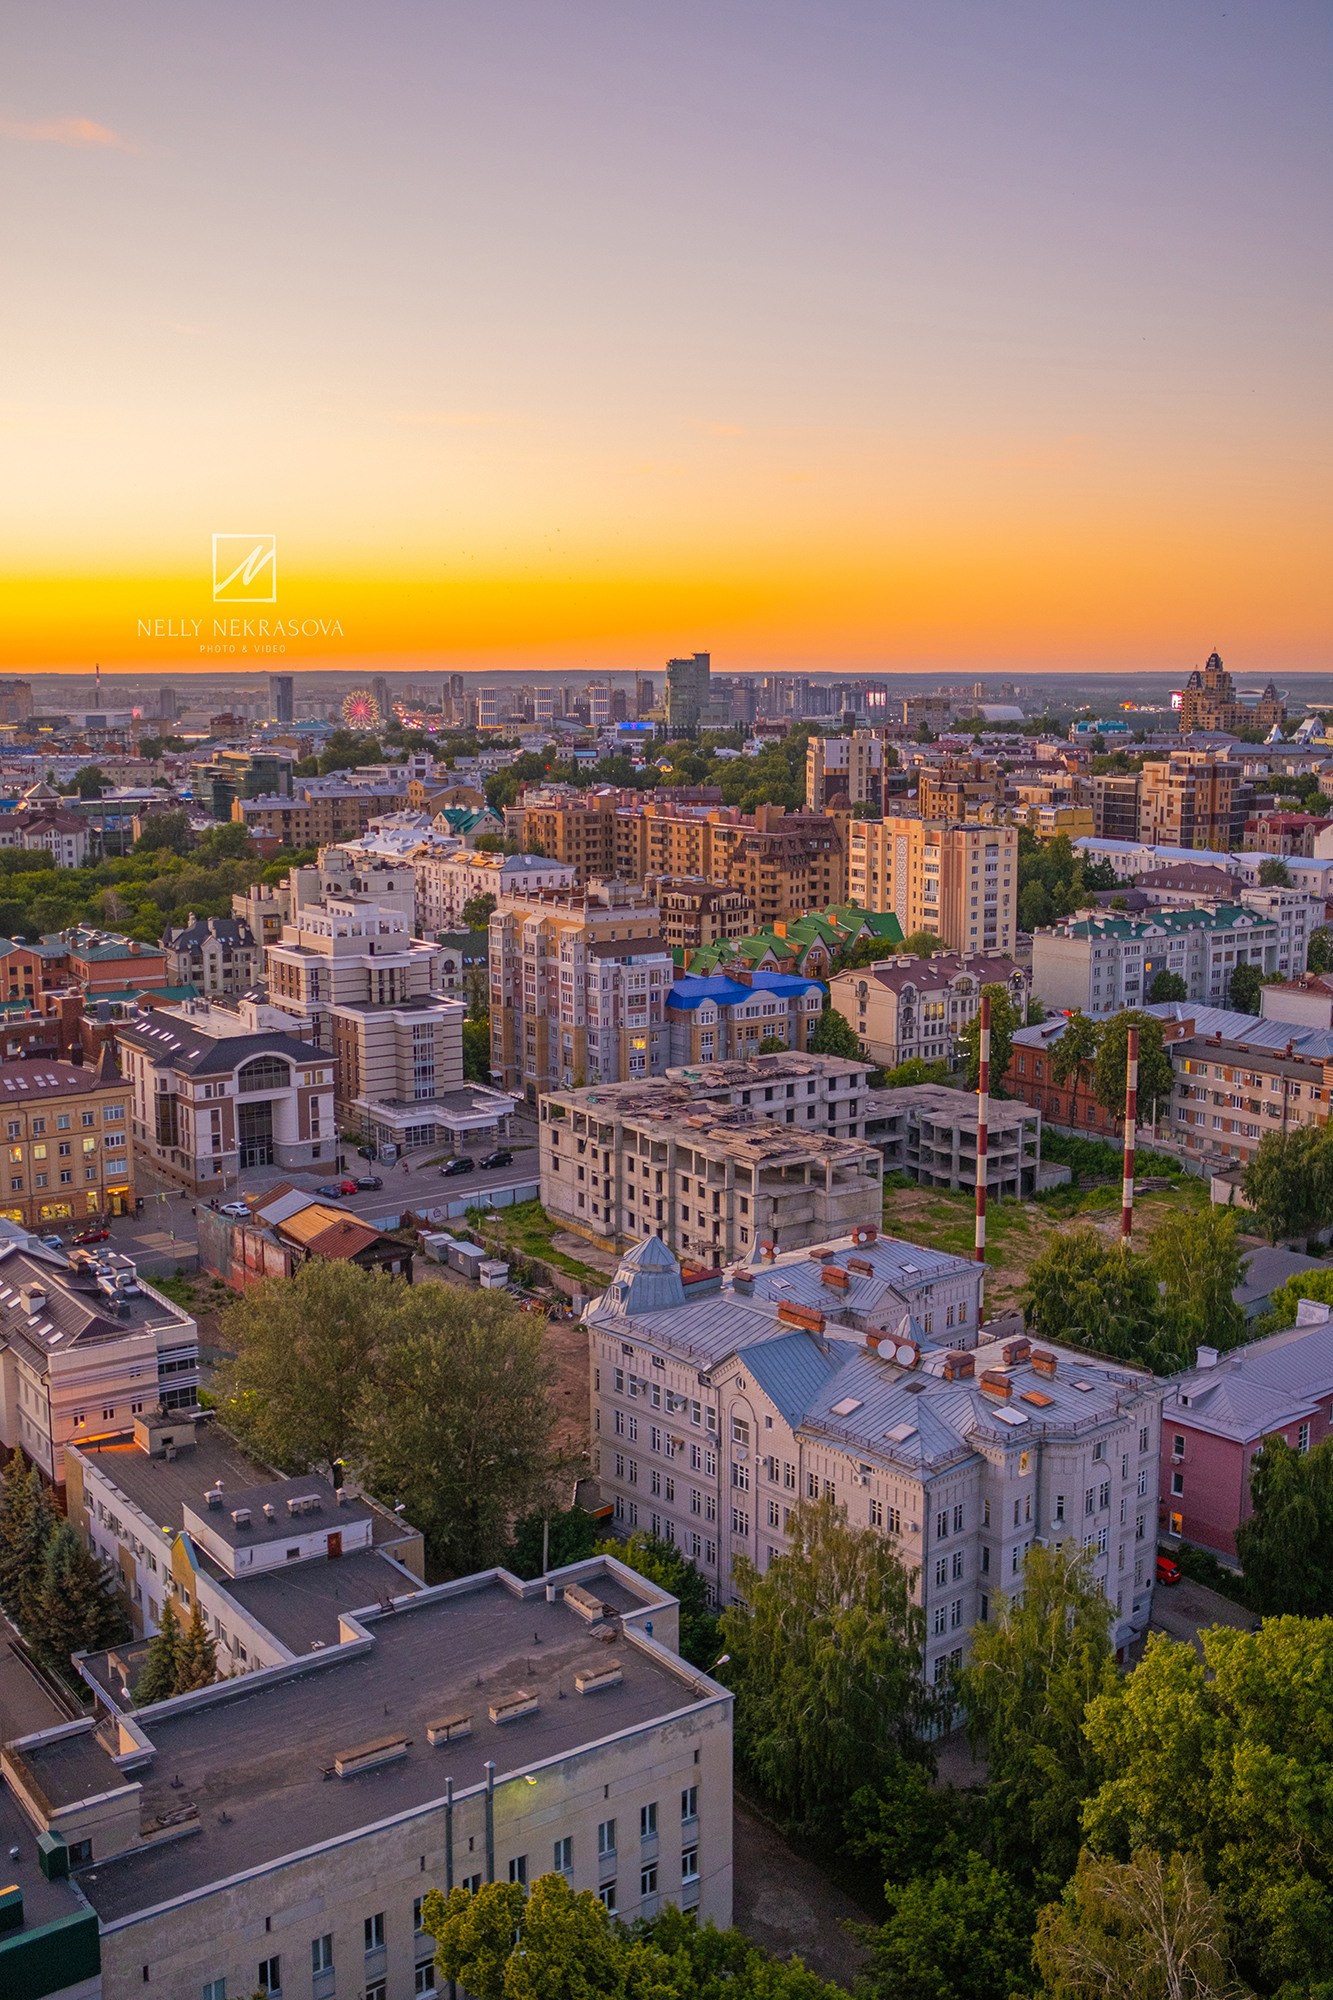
(848, 333)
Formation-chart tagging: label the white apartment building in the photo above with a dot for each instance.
(859, 1371)
(80, 1353)
(957, 878)
(705, 1160)
(447, 882)
(282, 1836)
(917, 1008)
(1104, 963)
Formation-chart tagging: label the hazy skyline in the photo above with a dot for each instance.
(851, 336)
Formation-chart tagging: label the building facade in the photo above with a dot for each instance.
(67, 1129)
(1192, 798)
(726, 1016)
(696, 913)
(957, 880)
(905, 1009)
(1102, 964)
(848, 769)
(1209, 701)
(218, 956)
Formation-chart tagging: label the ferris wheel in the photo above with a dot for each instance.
(361, 710)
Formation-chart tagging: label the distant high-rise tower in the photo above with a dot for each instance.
(379, 688)
(167, 710)
(645, 695)
(687, 693)
(283, 689)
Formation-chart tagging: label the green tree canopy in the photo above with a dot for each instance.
(1245, 989)
(170, 830)
(1285, 1301)
(664, 1564)
(477, 1050)
(1074, 1055)
(1156, 1078)
(1135, 1930)
(477, 911)
(1319, 950)
(1289, 1181)
(1033, 1669)
(920, 944)
(27, 1521)
(834, 1035)
(1274, 873)
(1229, 1757)
(1005, 1019)
(1286, 1546)
(157, 1675)
(1195, 1257)
(1167, 986)
(196, 1656)
(76, 1609)
(826, 1654)
(1089, 1293)
(964, 1935)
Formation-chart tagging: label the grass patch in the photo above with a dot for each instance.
(525, 1227)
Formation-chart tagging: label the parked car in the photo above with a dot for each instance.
(53, 1242)
(501, 1157)
(1168, 1570)
(237, 1209)
(370, 1185)
(464, 1164)
(97, 1233)
(348, 1185)
(334, 1190)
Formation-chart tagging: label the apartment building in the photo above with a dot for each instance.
(180, 1511)
(208, 1097)
(905, 1009)
(961, 788)
(929, 1131)
(1115, 805)
(1209, 701)
(338, 949)
(848, 769)
(218, 956)
(67, 1141)
(711, 1165)
(1101, 964)
(323, 810)
(1218, 1414)
(1192, 798)
(1131, 859)
(100, 962)
(485, 1730)
(83, 1351)
(447, 882)
(578, 988)
(859, 1372)
(697, 913)
(785, 862)
(577, 828)
(688, 693)
(957, 879)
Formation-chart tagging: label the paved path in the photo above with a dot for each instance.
(786, 1904)
(1184, 1609)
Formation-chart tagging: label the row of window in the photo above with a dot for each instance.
(113, 1114)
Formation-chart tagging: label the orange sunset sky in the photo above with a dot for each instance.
(852, 335)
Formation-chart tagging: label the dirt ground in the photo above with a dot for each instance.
(784, 1903)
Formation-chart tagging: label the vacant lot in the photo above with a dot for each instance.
(1018, 1231)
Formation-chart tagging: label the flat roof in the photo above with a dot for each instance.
(253, 1757)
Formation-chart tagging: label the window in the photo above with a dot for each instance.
(1177, 1482)
(1303, 1437)
(689, 1864)
(606, 1837)
(270, 1975)
(648, 1880)
(648, 1821)
(417, 1902)
(606, 1896)
(518, 1869)
(425, 1978)
(374, 1930)
(564, 1855)
(689, 1802)
(1178, 1444)
(215, 1989)
(378, 1990)
(321, 1953)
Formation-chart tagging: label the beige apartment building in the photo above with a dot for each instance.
(862, 1373)
(955, 878)
(578, 988)
(324, 810)
(447, 882)
(844, 768)
(67, 1141)
(1191, 798)
(280, 1834)
(712, 1177)
(696, 912)
(961, 788)
(917, 1008)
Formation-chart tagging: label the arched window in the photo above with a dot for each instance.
(263, 1073)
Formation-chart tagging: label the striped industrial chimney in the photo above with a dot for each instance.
(983, 1122)
(1131, 1116)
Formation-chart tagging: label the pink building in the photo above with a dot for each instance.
(1219, 1413)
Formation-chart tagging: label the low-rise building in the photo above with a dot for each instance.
(728, 1015)
(67, 1132)
(83, 1351)
(1104, 963)
(102, 962)
(930, 1132)
(218, 956)
(485, 1730)
(906, 1009)
(447, 883)
(697, 913)
(709, 1164)
(1218, 1414)
(286, 1228)
(859, 1371)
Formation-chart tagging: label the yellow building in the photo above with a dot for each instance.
(67, 1141)
(957, 879)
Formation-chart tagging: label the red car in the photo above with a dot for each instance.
(347, 1185)
(1168, 1570)
(98, 1233)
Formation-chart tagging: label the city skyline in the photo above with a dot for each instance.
(866, 340)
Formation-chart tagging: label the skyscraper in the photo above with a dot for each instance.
(379, 688)
(687, 693)
(282, 688)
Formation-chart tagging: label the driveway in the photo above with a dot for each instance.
(1183, 1610)
(786, 1904)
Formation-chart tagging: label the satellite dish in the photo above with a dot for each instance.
(905, 1354)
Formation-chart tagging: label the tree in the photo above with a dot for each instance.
(1005, 1019)
(75, 1610)
(170, 830)
(228, 841)
(1167, 986)
(1156, 1077)
(1245, 988)
(1033, 1670)
(1088, 1293)
(1135, 1930)
(89, 782)
(1274, 874)
(1074, 1055)
(960, 1936)
(1229, 1757)
(915, 1070)
(306, 1349)
(663, 1563)
(196, 1656)
(920, 944)
(1286, 1546)
(566, 1535)
(773, 1045)
(26, 1525)
(477, 911)
(1199, 1265)
(1319, 950)
(157, 1676)
(1283, 1304)
(826, 1655)
(1287, 1182)
(477, 1050)
(455, 1422)
(834, 1035)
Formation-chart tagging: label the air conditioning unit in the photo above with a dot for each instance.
(860, 1479)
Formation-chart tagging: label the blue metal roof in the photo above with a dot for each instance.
(791, 1371)
(695, 988)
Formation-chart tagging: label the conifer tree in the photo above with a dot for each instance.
(76, 1610)
(196, 1656)
(26, 1525)
(157, 1678)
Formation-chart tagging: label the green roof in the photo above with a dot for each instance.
(1224, 918)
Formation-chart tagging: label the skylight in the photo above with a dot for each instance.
(846, 1406)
